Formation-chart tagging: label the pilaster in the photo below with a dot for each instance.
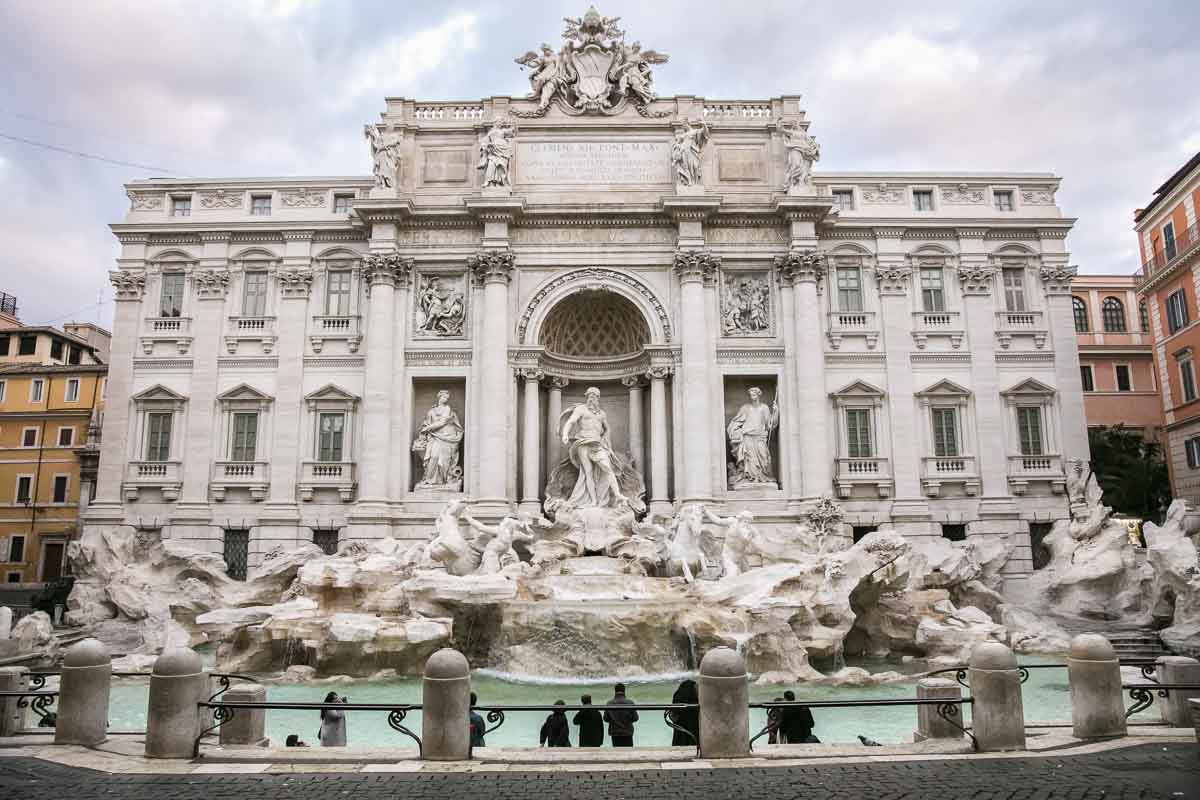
(695, 267)
(493, 268)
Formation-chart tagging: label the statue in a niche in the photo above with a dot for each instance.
(586, 436)
(438, 441)
(495, 153)
(802, 152)
(685, 152)
(750, 433)
(440, 307)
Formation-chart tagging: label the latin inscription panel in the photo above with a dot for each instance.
(593, 162)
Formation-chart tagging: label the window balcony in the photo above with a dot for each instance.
(937, 323)
(873, 472)
(171, 330)
(336, 475)
(327, 328)
(939, 470)
(254, 476)
(1010, 324)
(166, 476)
(1022, 470)
(1184, 245)
(250, 329)
(852, 323)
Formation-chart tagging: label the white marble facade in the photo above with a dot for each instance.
(279, 342)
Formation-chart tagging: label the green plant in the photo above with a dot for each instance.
(1131, 471)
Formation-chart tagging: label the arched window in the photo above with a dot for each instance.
(1114, 315)
(1081, 319)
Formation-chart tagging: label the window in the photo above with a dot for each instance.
(933, 295)
(849, 281)
(945, 432)
(71, 394)
(74, 355)
(1177, 313)
(1113, 312)
(843, 199)
(37, 388)
(1086, 378)
(955, 533)
(254, 294)
(331, 427)
(341, 203)
(337, 293)
(1029, 430)
(1003, 200)
(4, 339)
(1192, 448)
(66, 437)
(245, 436)
(1169, 240)
(13, 577)
(858, 433)
(1124, 382)
(24, 491)
(172, 294)
(181, 206)
(2, 385)
(260, 206)
(56, 349)
(237, 550)
(60, 488)
(16, 547)
(922, 200)
(1014, 289)
(1079, 308)
(1143, 317)
(1187, 380)
(327, 540)
(158, 435)
(29, 437)
(27, 346)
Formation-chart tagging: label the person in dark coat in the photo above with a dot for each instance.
(477, 724)
(688, 719)
(555, 730)
(773, 717)
(796, 723)
(620, 720)
(591, 724)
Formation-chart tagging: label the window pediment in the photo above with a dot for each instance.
(944, 389)
(858, 389)
(1030, 388)
(331, 396)
(244, 393)
(158, 394)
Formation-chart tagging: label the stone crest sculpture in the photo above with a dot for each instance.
(438, 441)
(595, 71)
(495, 153)
(441, 306)
(750, 433)
(802, 152)
(685, 152)
(745, 307)
(385, 157)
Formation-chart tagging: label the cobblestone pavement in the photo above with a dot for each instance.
(1148, 771)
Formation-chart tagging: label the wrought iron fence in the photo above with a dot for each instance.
(38, 701)
(496, 714)
(1142, 694)
(1147, 668)
(947, 709)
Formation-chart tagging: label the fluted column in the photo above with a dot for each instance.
(128, 286)
(806, 268)
(531, 454)
(659, 500)
(694, 268)
(553, 412)
(494, 269)
(637, 449)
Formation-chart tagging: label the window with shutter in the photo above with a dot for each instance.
(1014, 289)
(172, 294)
(254, 295)
(849, 281)
(945, 432)
(245, 437)
(329, 439)
(1029, 429)
(933, 296)
(158, 436)
(858, 433)
(337, 294)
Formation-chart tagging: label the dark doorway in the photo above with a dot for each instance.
(52, 561)
(327, 540)
(237, 551)
(1038, 531)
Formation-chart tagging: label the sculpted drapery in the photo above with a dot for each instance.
(439, 438)
(750, 440)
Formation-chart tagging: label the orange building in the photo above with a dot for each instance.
(1169, 241)
(1116, 354)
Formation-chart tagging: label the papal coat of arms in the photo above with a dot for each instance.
(595, 70)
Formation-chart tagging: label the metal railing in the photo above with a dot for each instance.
(8, 303)
(38, 701)
(1163, 259)
(223, 711)
(496, 714)
(947, 709)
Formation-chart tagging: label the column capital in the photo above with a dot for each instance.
(492, 266)
(659, 373)
(892, 279)
(1057, 280)
(294, 281)
(210, 284)
(976, 278)
(128, 284)
(632, 381)
(696, 265)
(386, 269)
(801, 266)
(530, 374)
(559, 382)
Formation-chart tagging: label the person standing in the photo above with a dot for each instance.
(477, 725)
(333, 723)
(796, 722)
(555, 731)
(591, 724)
(687, 718)
(620, 720)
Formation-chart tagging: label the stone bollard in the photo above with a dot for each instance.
(724, 705)
(177, 684)
(997, 715)
(83, 694)
(929, 724)
(1174, 707)
(247, 725)
(446, 707)
(1094, 673)
(12, 715)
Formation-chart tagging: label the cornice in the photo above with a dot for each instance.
(334, 362)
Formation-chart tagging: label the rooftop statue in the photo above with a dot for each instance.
(495, 153)
(802, 152)
(385, 157)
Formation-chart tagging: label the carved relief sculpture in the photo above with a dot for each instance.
(745, 307)
(685, 152)
(385, 157)
(495, 153)
(441, 306)
(750, 433)
(438, 441)
(802, 152)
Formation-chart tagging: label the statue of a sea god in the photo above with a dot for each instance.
(438, 441)
(750, 433)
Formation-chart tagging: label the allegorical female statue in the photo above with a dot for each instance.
(495, 153)
(802, 152)
(438, 440)
(750, 441)
(685, 152)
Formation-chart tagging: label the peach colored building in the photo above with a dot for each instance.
(1169, 241)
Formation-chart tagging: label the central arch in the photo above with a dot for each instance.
(594, 324)
(593, 283)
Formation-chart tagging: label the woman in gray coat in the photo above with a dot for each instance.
(333, 723)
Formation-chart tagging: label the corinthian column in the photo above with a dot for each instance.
(636, 440)
(659, 500)
(553, 412)
(694, 268)
(531, 455)
(494, 269)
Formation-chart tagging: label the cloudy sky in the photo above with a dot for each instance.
(1101, 93)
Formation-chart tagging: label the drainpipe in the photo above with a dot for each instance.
(37, 473)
